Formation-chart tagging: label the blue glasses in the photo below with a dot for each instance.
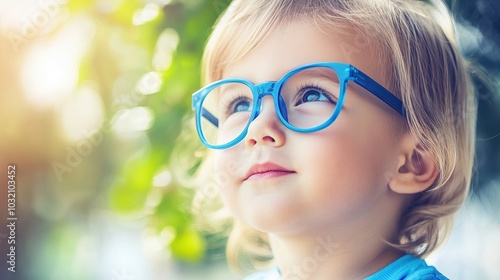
(307, 99)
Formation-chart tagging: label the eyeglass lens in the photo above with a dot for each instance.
(306, 99)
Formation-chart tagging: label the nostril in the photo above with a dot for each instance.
(268, 138)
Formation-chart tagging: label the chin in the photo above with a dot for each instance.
(270, 217)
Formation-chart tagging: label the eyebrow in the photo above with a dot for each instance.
(229, 85)
(321, 72)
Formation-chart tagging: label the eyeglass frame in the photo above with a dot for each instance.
(346, 72)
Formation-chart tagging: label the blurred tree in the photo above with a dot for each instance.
(73, 173)
(110, 143)
(479, 35)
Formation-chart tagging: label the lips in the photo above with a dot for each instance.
(266, 171)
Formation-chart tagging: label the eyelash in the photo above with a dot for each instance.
(229, 103)
(332, 98)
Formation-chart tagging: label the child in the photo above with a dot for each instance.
(342, 134)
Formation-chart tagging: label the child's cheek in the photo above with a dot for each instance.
(225, 170)
(225, 167)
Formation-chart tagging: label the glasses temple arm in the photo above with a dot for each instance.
(378, 90)
(211, 118)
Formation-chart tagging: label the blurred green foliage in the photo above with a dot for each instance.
(141, 55)
(132, 186)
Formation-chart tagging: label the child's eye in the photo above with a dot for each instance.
(238, 104)
(241, 106)
(313, 94)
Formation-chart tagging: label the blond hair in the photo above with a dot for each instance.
(415, 39)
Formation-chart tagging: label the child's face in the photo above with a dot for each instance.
(330, 178)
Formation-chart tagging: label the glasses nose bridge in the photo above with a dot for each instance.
(271, 89)
(264, 89)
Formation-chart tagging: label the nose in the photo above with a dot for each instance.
(266, 128)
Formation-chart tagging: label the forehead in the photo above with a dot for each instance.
(298, 43)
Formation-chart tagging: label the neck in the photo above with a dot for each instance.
(331, 255)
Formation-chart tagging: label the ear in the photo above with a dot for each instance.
(416, 168)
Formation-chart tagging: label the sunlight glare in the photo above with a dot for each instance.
(165, 47)
(162, 179)
(132, 120)
(50, 70)
(83, 112)
(146, 14)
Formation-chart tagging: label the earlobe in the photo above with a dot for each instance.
(416, 171)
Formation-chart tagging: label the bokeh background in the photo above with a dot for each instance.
(95, 114)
